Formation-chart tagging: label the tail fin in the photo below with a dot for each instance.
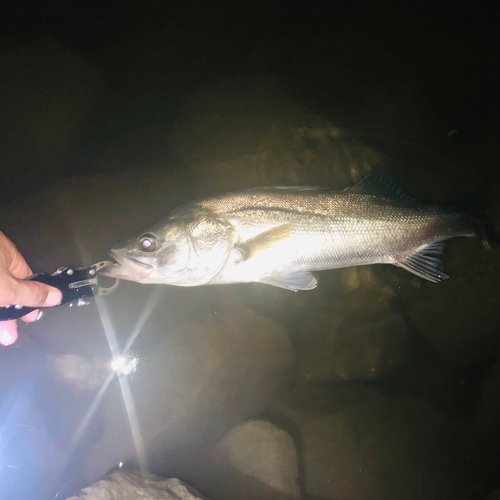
(476, 216)
(488, 232)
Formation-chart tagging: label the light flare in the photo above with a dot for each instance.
(124, 365)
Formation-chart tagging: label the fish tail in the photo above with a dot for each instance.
(477, 221)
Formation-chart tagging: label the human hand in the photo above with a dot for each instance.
(14, 289)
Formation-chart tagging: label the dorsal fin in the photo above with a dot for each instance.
(298, 189)
(380, 182)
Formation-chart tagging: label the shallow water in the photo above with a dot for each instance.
(385, 385)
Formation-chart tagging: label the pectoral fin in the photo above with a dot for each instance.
(423, 264)
(265, 240)
(298, 280)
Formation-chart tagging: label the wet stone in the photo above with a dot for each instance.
(248, 132)
(361, 336)
(457, 317)
(357, 443)
(131, 485)
(254, 460)
(210, 375)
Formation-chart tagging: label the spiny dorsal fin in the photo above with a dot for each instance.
(423, 264)
(380, 182)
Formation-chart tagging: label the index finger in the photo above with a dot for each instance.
(12, 260)
(19, 268)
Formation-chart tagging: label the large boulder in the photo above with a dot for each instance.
(189, 382)
(247, 132)
(254, 460)
(356, 443)
(361, 335)
(131, 485)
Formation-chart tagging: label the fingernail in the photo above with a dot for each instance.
(53, 298)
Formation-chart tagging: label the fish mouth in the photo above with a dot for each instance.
(127, 267)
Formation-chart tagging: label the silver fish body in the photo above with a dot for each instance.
(278, 235)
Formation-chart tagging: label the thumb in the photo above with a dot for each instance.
(33, 294)
(8, 332)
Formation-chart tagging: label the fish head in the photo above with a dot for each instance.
(157, 255)
(182, 251)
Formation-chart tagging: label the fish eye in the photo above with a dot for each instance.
(148, 243)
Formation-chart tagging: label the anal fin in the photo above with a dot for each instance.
(424, 264)
(296, 280)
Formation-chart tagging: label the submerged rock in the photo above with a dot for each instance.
(264, 451)
(458, 317)
(359, 444)
(361, 336)
(253, 461)
(132, 485)
(246, 132)
(200, 380)
(82, 373)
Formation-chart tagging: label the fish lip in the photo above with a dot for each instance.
(127, 261)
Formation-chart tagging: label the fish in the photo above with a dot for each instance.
(280, 235)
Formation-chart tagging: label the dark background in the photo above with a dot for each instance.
(324, 51)
(399, 76)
